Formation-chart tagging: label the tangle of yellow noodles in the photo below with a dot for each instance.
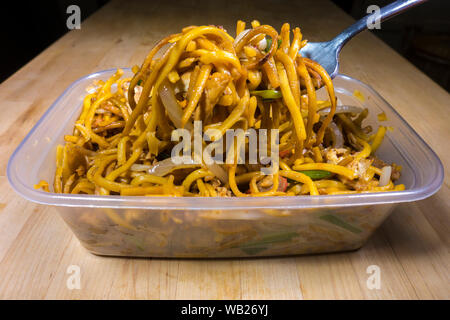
(121, 142)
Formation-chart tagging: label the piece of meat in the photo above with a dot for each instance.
(335, 155)
(222, 192)
(360, 167)
(395, 174)
(378, 163)
(267, 183)
(285, 153)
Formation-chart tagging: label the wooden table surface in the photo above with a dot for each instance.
(36, 247)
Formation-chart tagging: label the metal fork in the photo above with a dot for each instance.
(327, 53)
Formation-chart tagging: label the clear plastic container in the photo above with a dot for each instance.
(223, 227)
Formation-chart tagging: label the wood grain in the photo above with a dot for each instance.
(36, 247)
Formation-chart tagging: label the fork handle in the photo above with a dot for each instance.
(386, 12)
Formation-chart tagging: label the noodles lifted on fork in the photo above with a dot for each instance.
(121, 142)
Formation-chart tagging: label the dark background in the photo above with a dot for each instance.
(422, 35)
(28, 27)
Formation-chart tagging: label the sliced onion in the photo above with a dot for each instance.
(166, 166)
(385, 176)
(218, 171)
(215, 168)
(240, 36)
(341, 109)
(140, 167)
(174, 110)
(338, 137)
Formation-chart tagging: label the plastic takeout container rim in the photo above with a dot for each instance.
(247, 203)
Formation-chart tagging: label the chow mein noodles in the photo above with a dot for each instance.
(123, 140)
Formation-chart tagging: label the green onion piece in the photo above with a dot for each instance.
(267, 94)
(139, 82)
(317, 174)
(340, 223)
(269, 44)
(254, 247)
(139, 243)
